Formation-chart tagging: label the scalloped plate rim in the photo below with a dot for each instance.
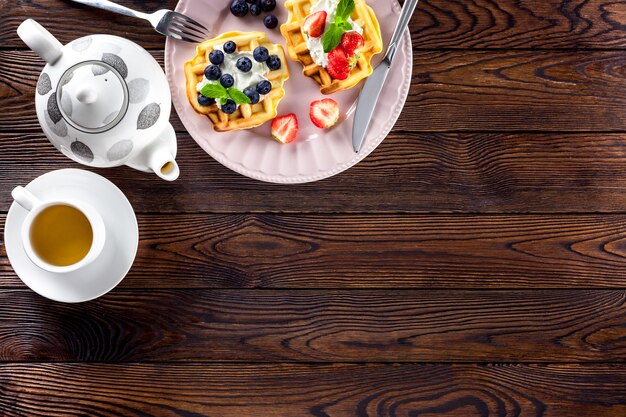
(371, 143)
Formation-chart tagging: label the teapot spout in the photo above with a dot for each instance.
(163, 164)
(159, 156)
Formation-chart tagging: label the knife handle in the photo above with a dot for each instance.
(112, 7)
(403, 21)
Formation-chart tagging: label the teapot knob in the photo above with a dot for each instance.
(87, 95)
(40, 41)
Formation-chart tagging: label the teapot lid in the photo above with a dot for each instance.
(92, 96)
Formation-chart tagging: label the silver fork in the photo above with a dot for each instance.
(166, 22)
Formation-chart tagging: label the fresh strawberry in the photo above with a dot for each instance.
(338, 64)
(324, 113)
(350, 42)
(314, 24)
(285, 128)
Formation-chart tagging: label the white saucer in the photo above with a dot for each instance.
(119, 251)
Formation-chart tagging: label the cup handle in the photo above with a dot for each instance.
(24, 198)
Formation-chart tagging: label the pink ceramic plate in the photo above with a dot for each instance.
(316, 153)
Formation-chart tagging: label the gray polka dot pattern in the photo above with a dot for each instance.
(82, 151)
(53, 108)
(81, 44)
(120, 150)
(109, 118)
(66, 80)
(148, 116)
(44, 85)
(116, 62)
(59, 129)
(138, 90)
(66, 104)
(99, 69)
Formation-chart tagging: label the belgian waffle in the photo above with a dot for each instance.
(363, 15)
(246, 115)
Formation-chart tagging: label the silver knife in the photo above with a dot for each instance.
(374, 84)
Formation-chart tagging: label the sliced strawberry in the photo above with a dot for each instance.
(285, 128)
(324, 113)
(338, 64)
(314, 24)
(350, 42)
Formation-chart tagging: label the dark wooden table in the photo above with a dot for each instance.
(473, 265)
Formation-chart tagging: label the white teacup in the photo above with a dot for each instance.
(35, 207)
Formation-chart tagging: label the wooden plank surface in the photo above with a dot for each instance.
(436, 24)
(303, 390)
(374, 251)
(408, 173)
(488, 227)
(451, 91)
(194, 325)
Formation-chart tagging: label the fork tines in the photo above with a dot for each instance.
(181, 27)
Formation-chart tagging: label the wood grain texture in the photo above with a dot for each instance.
(519, 24)
(408, 173)
(516, 90)
(451, 91)
(303, 390)
(317, 326)
(436, 24)
(374, 251)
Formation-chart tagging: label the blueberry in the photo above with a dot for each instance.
(252, 94)
(244, 64)
(270, 21)
(205, 101)
(264, 87)
(212, 72)
(250, 1)
(273, 62)
(255, 9)
(229, 107)
(260, 54)
(229, 47)
(268, 5)
(227, 80)
(239, 8)
(216, 57)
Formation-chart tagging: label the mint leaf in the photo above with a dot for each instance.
(332, 37)
(237, 96)
(345, 26)
(223, 101)
(344, 10)
(214, 91)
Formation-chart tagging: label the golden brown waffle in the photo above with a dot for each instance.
(363, 15)
(247, 115)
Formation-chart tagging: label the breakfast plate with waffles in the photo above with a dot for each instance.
(272, 94)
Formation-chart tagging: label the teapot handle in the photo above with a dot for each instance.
(37, 38)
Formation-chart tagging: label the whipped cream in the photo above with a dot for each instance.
(315, 46)
(243, 80)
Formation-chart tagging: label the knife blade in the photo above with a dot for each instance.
(368, 98)
(367, 103)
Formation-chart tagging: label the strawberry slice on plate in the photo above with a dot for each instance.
(350, 42)
(324, 113)
(314, 24)
(285, 128)
(338, 64)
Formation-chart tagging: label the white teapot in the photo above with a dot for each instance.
(104, 101)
